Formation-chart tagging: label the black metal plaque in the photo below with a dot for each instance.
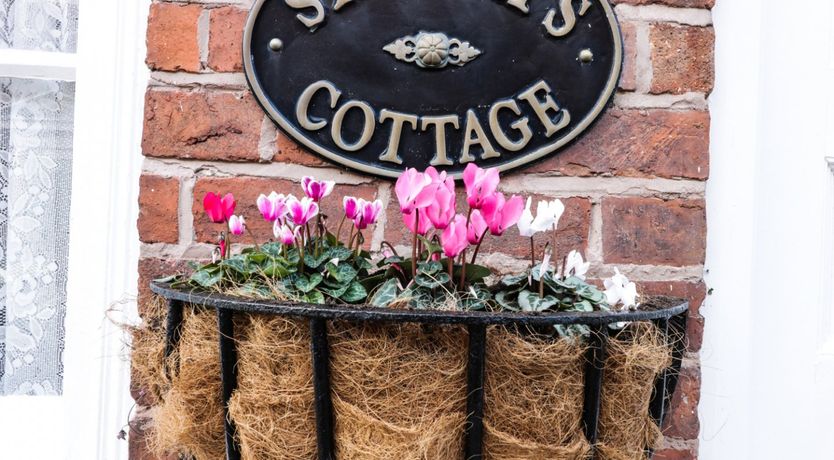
(383, 85)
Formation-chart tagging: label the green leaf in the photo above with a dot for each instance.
(505, 301)
(273, 249)
(531, 302)
(257, 257)
(239, 264)
(314, 262)
(474, 273)
(207, 277)
(386, 293)
(341, 253)
(429, 268)
(343, 273)
(355, 293)
(306, 284)
(513, 281)
(275, 268)
(337, 291)
(391, 260)
(314, 297)
(432, 281)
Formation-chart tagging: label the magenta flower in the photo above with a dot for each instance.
(272, 207)
(367, 214)
(477, 227)
(219, 210)
(414, 190)
(316, 189)
(480, 184)
(501, 214)
(351, 205)
(454, 239)
(424, 222)
(284, 233)
(302, 211)
(442, 209)
(237, 225)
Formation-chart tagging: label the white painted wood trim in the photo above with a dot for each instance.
(37, 64)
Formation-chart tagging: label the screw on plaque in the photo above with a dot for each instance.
(276, 44)
(586, 56)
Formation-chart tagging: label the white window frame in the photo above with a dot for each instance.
(110, 77)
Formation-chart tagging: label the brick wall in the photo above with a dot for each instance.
(634, 185)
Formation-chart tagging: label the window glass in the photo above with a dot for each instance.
(45, 25)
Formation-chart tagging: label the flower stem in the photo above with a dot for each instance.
(339, 231)
(414, 244)
(478, 247)
(462, 269)
(532, 253)
(452, 272)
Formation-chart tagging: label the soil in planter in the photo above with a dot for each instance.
(637, 356)
(273, 406)
(399, 391)
(533, 398)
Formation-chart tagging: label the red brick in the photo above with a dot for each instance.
(628, 81)
(172, 37)
(682, 420)
(676, 454)
(225, 39)
(695, 294)
(158, 204)
(638, 143)
(202, 124)
(138, 442)
(288, 151)
(678, 3)
(683, 58)
(651, 231)
(151, 269)
(246, 191)
(574, 229)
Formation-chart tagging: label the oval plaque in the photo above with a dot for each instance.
(380, 86)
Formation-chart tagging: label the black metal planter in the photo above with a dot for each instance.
(668, 314)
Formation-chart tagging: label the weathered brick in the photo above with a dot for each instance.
(682, 58)
(225, 39)
(638, 143)
(574, 228)
(678, 3)
(172, 37)
(646, 231)
(628, 80)
(695, 293)
(205, 125)
(138, 442)
(158, 205)
(682, 419)
(151, 269)
(246, 191)
(676, 454)
(288, 151)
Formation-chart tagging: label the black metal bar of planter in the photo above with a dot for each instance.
(475, 394)
(173, 331)
(321, 388)
(674, 330)
(650, 311)
(594, 370)
(657, 407)
(228, 376)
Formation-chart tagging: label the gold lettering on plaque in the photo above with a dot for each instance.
(303, 104)
(521, 125)
(566, 9)
(340, 3)
(398, 120)
(367, 129)
(473, 126)
(520, 4)
(309, 21)
(439, 123)
(541, 106)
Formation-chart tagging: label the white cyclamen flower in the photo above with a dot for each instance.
(619, 290)
(547, 217)
(576, 266)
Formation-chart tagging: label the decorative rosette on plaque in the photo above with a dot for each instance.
(433, 50)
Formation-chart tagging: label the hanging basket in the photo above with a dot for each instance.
(478, 360)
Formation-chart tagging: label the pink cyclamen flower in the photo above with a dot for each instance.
(237, 225)
(284, 233)
(302, 211)
(414, 190)
(316, 189)
(477, 227)
(454, 239)
(219, 210)
(367, 214)
(272, 207)
(500, 213)
(422, 227)
(351, 205)
(442, 209)
(480, 184)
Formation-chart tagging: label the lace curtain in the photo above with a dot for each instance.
(36, 131)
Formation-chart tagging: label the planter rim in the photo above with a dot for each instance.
(653, 308)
